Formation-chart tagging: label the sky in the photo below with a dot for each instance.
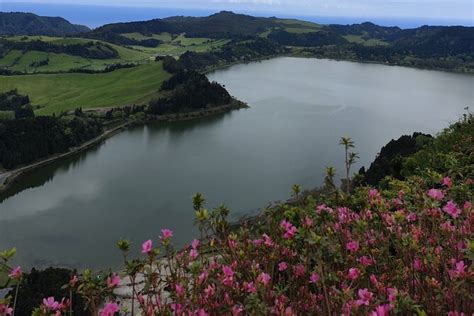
(432, 9)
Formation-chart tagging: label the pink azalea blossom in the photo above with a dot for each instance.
(373, 280)
(202, 312)
(352, 246)
(392, 294)
(147, 246)
(452, 209)
(373, 194)
(308, 221)
(282, 266)
(299, 270)
(177, 308)
(113, 281)
(459, 270)
(381, 310)
(193, 254)
(237, 310)
(353, 274)
(109, 309)
(250, 287)
(267, 240)
(366, 261)
(264, 278)
(447, 182)
(179, 289)
(50, 303)
(5, 310)
(411, 217)
(195, 243)
(314, 277)
(290, 230)
(365, 296)
(435, 194)
(166, 234)
(16, 273)
(210, 290)
(417, 264)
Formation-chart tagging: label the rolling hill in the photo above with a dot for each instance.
(19, 23)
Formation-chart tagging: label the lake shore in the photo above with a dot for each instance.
(301, 55)
(8, 177)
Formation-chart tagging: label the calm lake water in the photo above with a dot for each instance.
(72, 212)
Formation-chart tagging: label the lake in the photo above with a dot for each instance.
(72, 212)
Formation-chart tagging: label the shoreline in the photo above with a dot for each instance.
(8, 177)
(299, 55)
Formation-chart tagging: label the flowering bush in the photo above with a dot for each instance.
(378, 253)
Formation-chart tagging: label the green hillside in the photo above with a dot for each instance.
(55, 93)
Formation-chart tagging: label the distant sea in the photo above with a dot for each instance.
(94, 16)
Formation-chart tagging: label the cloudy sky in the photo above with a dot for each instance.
(433, 9)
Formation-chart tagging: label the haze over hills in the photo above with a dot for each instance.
(19, 23)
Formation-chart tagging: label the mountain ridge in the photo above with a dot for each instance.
(24, 23)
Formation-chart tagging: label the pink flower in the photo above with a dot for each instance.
(353, 274)
(264, 278)
(392, 294)
(166, 234)
(193, 254)
(195, 244)
(314, 277)
(109, 309)
(459, 270)
(435, 194)
(202, 312)
(282, 266)
(447, 182)
(381, 310)
(299, 270)
(365, 296)
(210, 290)
(237, 310)
(290, 230)
(373, 280)
(373, 194)
(308, 221)
(147, 246)
(5, 310)
(50, 303)
(250, 287)
(352, 246)
(267, 240)
(177, 308)
(365, 261)
(113, 281)
(228, 275)
(16, 273)
(179, 289)
(228, 272)
(452, 209)
(411, 217)
(417, 264)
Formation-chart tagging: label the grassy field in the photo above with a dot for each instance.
(55, 93)
(177, 45)
(359, 39)
(19, 61)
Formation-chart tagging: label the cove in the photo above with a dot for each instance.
(72, 212)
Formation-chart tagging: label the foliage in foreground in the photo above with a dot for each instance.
(407, 249)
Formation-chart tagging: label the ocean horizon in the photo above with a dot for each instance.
(95, 15)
